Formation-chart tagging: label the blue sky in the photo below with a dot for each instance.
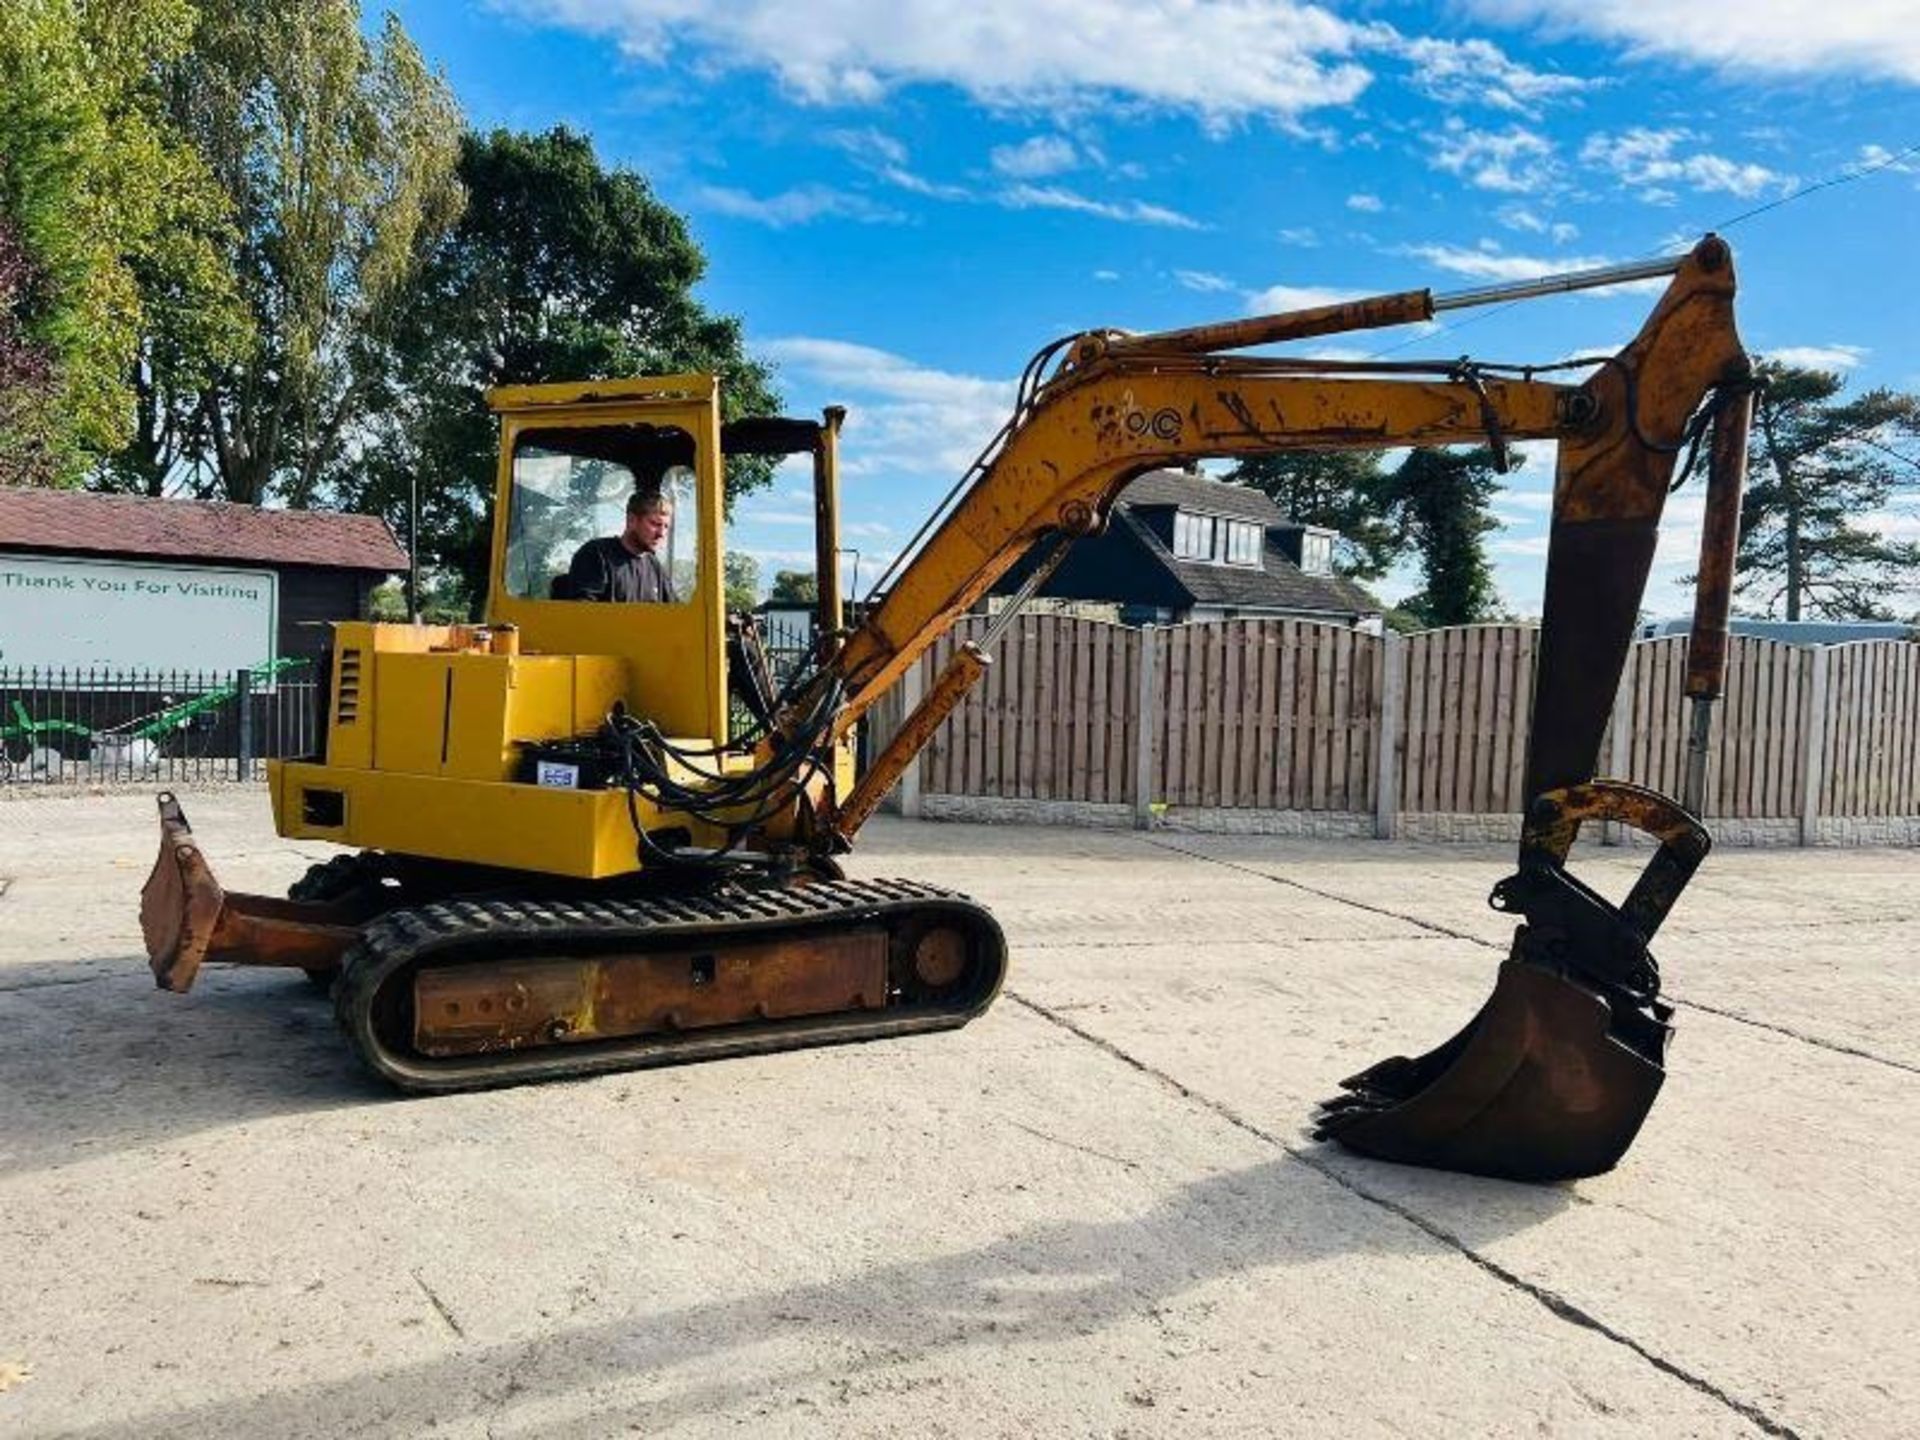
(903, 199)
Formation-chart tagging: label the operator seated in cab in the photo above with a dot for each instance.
(627, 567)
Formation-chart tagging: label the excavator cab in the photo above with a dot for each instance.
(570, 855)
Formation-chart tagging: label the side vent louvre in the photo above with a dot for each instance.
(346, 699)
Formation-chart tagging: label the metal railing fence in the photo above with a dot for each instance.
(61, 725)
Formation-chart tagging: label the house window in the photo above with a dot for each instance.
(1192, 536)
(1316, 552)
(1243, 543)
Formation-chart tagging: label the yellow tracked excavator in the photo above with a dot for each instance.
(589, 836)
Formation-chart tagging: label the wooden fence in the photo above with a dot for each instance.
(1296, 716)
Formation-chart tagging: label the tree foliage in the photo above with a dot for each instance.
(109, 223)
(1344, 490)
(336, 156)
(559, 269)
(743, 580)
(1441, 500)
(795, 587)
(26, 367)
(1820, 467)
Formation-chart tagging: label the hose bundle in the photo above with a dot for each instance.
(651, 765)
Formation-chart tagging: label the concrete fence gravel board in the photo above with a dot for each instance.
(1300, 727)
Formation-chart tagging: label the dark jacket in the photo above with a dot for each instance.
(606, 570)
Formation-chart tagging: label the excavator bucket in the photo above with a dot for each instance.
(187, 918)
(1554, 1076)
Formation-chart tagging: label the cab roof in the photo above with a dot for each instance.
(665, 388)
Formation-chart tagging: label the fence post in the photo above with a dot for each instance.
(910, 687)
(243, 698)
(1620, 741)
(1386, 765)
(1146, 710)
(1813, 756)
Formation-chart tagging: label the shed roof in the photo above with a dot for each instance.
(135, 525)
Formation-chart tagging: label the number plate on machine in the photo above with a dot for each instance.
(563, 999)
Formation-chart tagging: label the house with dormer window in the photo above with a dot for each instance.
(1181, 547)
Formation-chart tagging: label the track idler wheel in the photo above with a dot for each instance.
(1554, 1077)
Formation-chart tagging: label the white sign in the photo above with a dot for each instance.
(556, 776)
(106, 614)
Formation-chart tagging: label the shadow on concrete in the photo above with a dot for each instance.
(96, 1060)
(1051, 1283)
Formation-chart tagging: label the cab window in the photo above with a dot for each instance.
(571, 487)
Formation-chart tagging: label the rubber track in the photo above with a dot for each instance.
(391, 946)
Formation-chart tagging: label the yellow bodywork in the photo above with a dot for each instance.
(425, 722)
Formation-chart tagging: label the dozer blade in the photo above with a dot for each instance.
(1554, 1076)
(187, 919)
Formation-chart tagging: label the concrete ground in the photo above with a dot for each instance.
(1093, 1212)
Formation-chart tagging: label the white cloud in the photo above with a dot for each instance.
(1302, 235)
(1878, 157)
(1874, 37)
(1820, 357)
(773, 559)
(1106, 276)
(1649, 161)
(1519, 217)
(920, 185)
(799, 206)
(1058, 197)
(902, 417)
(1365, 204)
(1202, 281)
(1519, 545)
(1515, 161)
(752, 515)
(1035, 158)
(885, 157)
(1278, 299)
(1222, 62)
(1890, 524)
(870, 145)
(1478, 72)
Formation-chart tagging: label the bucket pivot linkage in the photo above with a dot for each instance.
(1554, 1076)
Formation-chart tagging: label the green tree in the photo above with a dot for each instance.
(336, 154)
(1819, 465)
(743, 580)
(1344, 490)
(1441, 498)
(795, 587)
(27, 450)
(559, 269)
(111, 222)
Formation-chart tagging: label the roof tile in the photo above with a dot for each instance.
(78, 522)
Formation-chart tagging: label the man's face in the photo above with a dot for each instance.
(648, 529)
